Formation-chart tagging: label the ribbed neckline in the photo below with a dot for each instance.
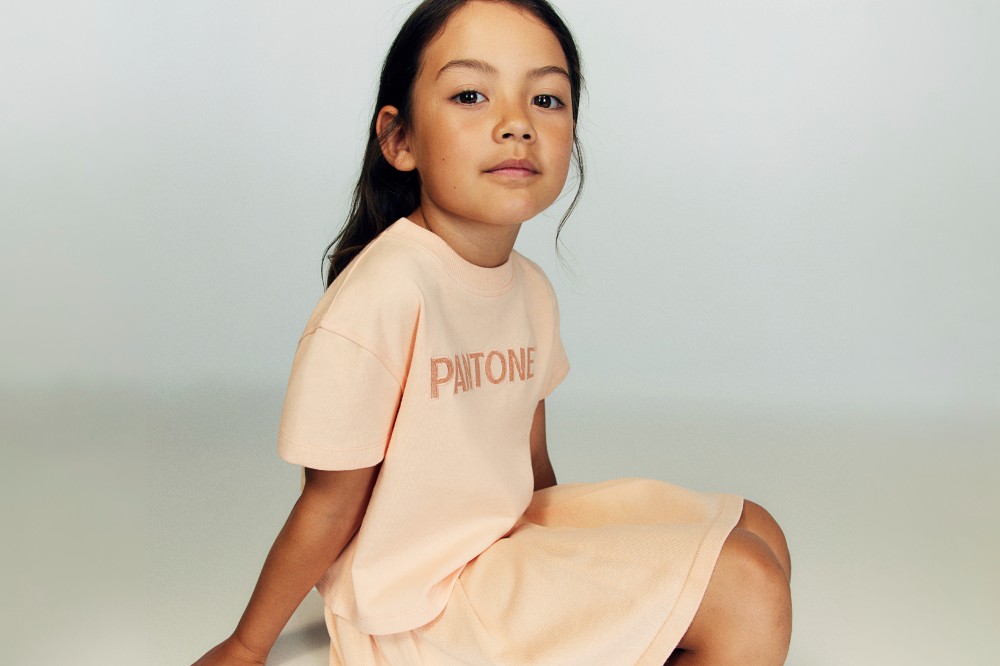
(476, 277)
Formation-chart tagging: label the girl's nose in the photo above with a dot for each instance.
(515, 126)
(510, 135)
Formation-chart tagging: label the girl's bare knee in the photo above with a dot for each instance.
(758, 520)
(745, 616)
(762, 600)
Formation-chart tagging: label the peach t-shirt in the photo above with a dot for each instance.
(434, 366)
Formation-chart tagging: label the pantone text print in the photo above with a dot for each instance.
(468, 372)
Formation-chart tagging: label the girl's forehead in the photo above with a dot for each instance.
(491, 31)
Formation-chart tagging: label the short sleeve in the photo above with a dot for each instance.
(558, 368)
(340, 405)
(559, 364)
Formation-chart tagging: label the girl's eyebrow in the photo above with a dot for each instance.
(487, 68)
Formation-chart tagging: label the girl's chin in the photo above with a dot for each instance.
(517, 214)
(499, 218)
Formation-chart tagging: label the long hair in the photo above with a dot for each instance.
(383, 194)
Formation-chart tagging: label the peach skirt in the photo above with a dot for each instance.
(593, 573)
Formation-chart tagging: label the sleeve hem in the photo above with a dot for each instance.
(555, 381)
(325, 459)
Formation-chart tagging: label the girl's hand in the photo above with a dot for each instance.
(230, 652)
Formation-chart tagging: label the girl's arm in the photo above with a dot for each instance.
(323, 520)
(540, 463)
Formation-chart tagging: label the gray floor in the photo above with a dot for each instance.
(141, 520)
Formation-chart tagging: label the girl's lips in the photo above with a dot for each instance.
(514, 168)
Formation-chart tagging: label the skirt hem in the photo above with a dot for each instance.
(679, 620)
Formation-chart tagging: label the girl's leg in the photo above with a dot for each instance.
(745, 617)
(756, 519)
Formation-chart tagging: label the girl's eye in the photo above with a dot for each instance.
(469, 97)
(547, 101)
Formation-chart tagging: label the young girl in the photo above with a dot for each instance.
(430, 518)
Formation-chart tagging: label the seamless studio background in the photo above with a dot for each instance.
(782, 283)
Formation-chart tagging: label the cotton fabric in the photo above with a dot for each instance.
(602, 574)
(432, 366)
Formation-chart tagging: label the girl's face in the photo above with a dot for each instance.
(491, 131)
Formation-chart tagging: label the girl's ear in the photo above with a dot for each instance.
(395, 147)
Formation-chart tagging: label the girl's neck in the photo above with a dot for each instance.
(485, 245)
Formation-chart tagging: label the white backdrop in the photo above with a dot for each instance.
(787, 202)
(784, 278)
